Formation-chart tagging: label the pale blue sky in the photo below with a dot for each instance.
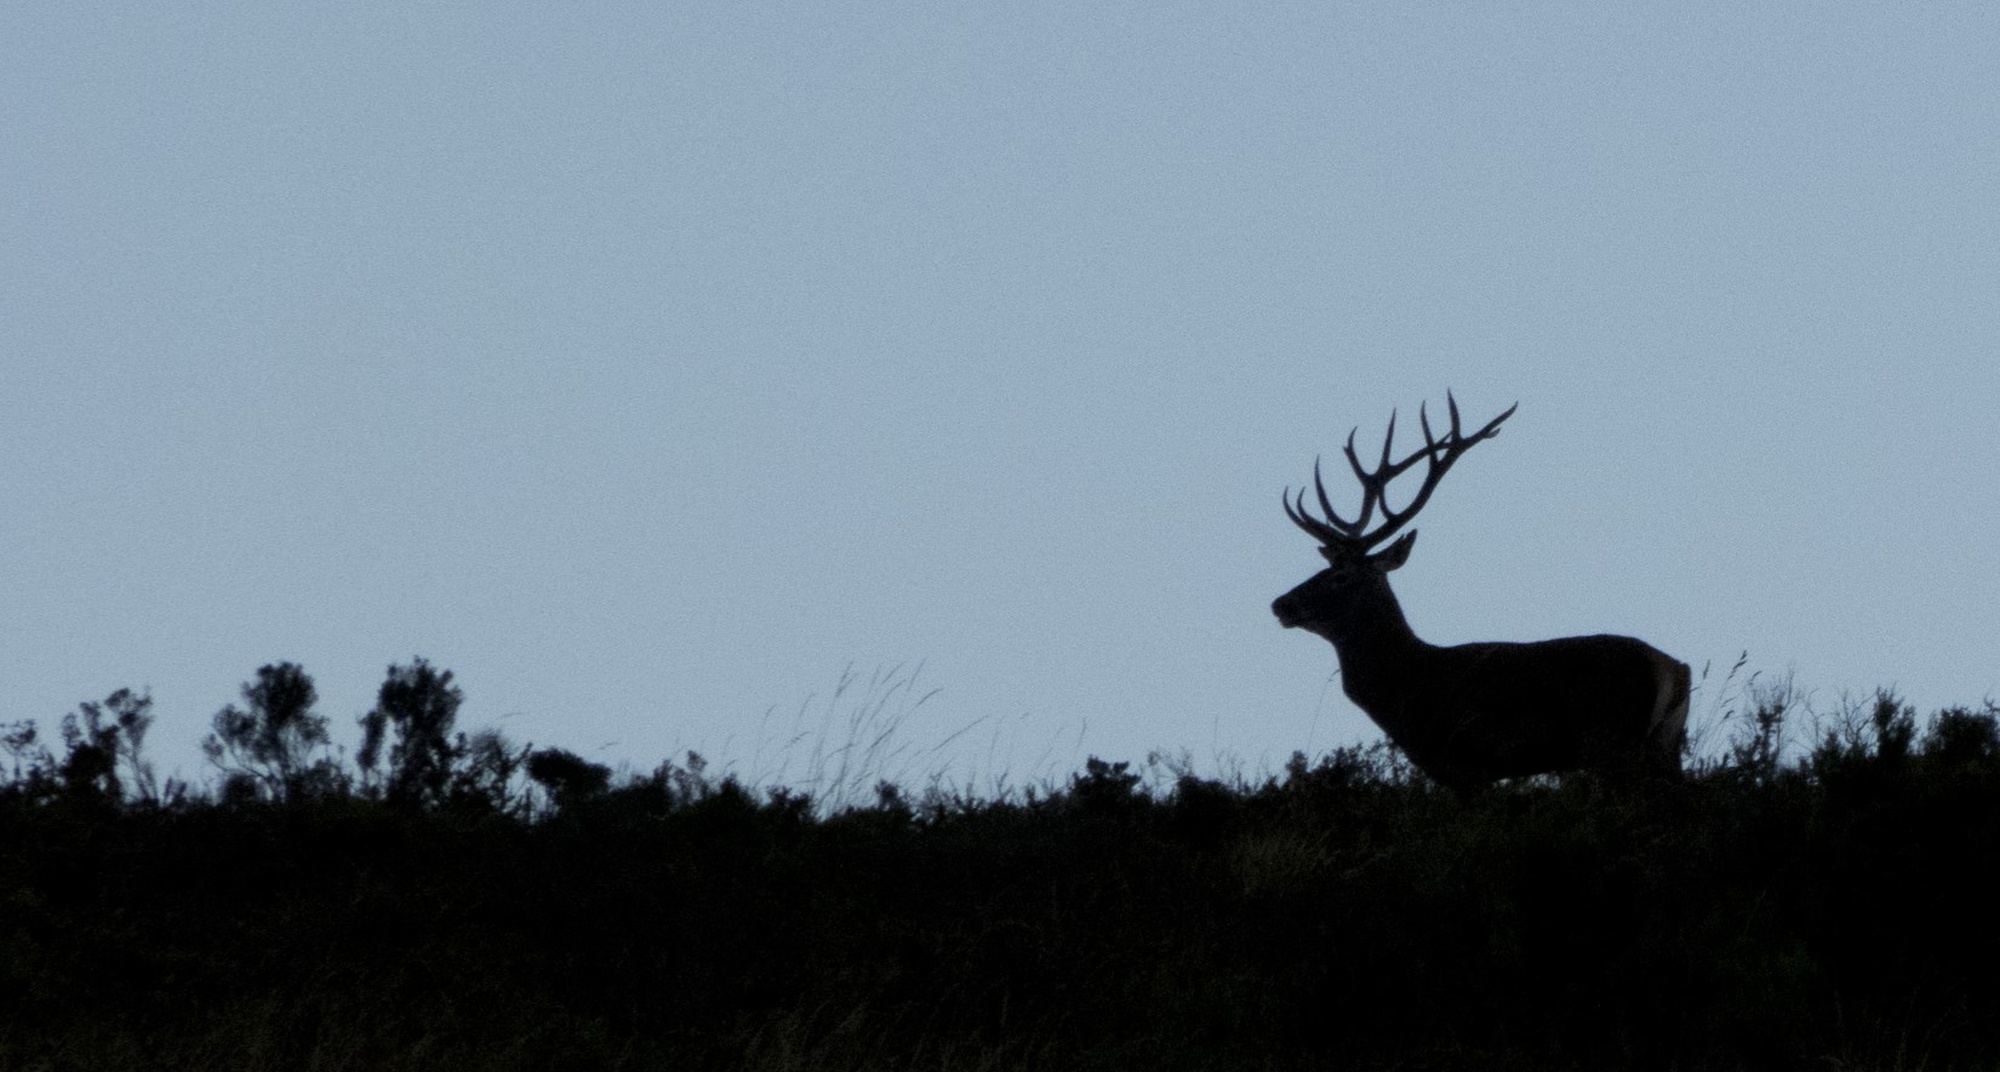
(648, 364)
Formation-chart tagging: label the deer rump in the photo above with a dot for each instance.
(1501, 709)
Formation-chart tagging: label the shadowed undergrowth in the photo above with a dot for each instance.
(1830, 910)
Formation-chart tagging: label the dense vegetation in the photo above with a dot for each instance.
(453, 901)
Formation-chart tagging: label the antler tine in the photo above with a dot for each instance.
(1345, 527)
(1375, 483)
(1441, 457)
(1385, 470)
(1439, 454)
(1334, 529)
(1314, 527)
(1300, 517)
(1493, 426)
(1367, 487)
(1356, 466)
(1388, 440)
(1354, 460)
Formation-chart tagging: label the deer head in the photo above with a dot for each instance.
(1352, 592)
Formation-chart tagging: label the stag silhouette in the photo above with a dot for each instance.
(1469, 714)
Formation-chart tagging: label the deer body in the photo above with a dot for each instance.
(1474, 713)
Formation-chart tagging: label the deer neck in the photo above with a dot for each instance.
(1378, 650)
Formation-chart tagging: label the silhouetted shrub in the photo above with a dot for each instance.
(1104, 788)
(31, 770)
(1960, 739)
(268, 744)
(419, 703)
(1201, 811)
(483, 766)
(1895, 727)
(566, 777)
(1758, 746)
(100, 739)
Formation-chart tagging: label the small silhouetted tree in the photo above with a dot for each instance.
(1964, 740)
(266, 747)
(1895, 725)
(101, 738)
(482, 773)
(32, 770)
(420, 704)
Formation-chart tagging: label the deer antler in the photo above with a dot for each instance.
(1440, 453)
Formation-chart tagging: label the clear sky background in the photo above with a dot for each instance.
(649, 364)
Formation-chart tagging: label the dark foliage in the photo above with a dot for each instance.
(568, 779)
(1828, 913)
(420, 704)
(267, 747)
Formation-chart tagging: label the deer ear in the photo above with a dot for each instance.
(1397, 554)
